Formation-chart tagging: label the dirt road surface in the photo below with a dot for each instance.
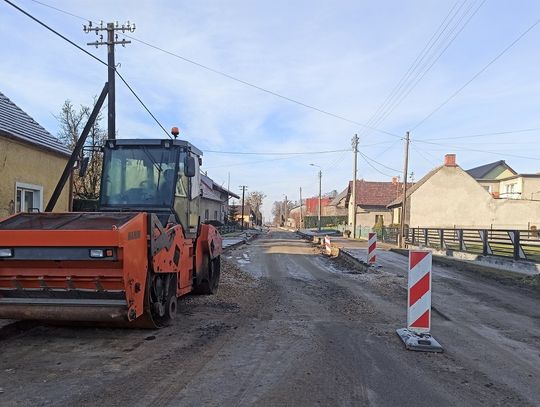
(291, 327)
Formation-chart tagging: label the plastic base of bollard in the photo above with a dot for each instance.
(419, 342)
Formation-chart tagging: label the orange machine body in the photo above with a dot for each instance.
(51, 273)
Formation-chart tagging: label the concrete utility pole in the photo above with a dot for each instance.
(355, 151)
(112, 40)
(301, 216)
(286, 210)
(243, 187)
(404, 201)
(320, 191)
(320, 198)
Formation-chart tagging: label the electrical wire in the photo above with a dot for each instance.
(458, 147)
(376, 169)
(421, 154)
(378, 163)
(275, 153)
(262, 89)
(405, 87)
(483, 134)
(415, 63)
(91, 55)
(499, 55)
(236, 79)
(408, 72)
(406, 93)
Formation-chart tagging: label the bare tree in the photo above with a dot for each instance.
(277, 212)
(255, 200)
(72, 122)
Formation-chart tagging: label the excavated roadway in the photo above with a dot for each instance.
(291, 328)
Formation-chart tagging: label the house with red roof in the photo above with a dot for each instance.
(372, 199)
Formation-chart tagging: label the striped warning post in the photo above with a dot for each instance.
(419, 291)
(372, 247)
(328, 245)
(417, 335)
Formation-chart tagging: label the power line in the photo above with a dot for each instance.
(375, 168)
(274, 152)
(377, 162)
(60, 10)
(260, 88)
(236, 79)
(406, 86)
(421, 75)
(142, 103)
(477, 74)
(483, 134)
(479, 151)
(411, 68)
(259, 161)
(421, 154)
(89, 54)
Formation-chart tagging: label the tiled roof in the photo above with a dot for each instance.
(339, 197)
(483, 170)
(14, 122)
(216, 187)
(207, 192)
(373, 193)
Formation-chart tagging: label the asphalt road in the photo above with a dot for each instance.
(291, 327)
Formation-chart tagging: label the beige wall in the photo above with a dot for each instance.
(531, 185)
(453, 198)
(493, 185)
(30, 165)
(366, 218)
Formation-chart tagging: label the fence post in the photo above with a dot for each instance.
(426, 237)
(484, 242)
(460, 236)
(413, 240)
(441, 235)
(516, 244)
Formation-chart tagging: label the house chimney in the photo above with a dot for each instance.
(394, 180)
(450, 160)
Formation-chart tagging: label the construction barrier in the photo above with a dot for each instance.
(417, 334)
(372, 247)
(328, 245)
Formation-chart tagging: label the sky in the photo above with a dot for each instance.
(344, 58)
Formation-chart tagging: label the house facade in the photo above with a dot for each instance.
(372, 198)
(500, 180)
(214, 204)
(31, 163)
(449, 197)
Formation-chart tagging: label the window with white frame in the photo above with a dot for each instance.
(28, 197)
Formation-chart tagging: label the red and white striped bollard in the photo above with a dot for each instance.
(372, 247)
(328, 245)
(417, 334)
